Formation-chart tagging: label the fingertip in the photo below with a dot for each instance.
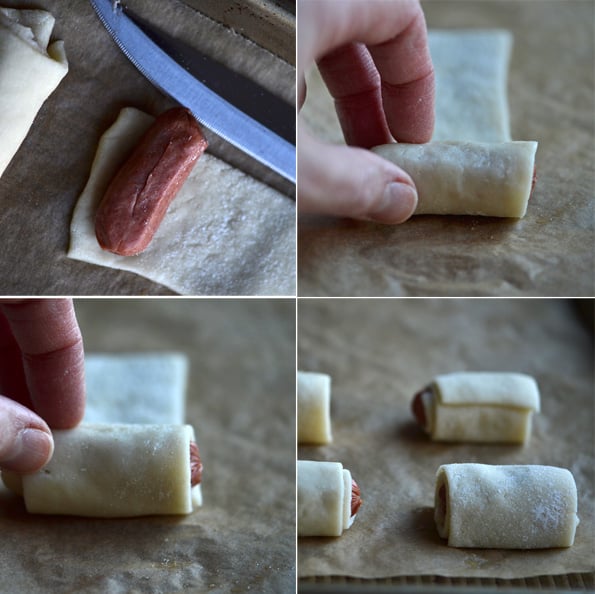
(26, 442)
(31, 450)
(351, 182)
(397, 204)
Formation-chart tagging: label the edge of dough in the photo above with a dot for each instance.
(313, 408)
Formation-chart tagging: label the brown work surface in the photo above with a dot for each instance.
(40, 187)
(548, 252)
(241, 402)
(381, 352)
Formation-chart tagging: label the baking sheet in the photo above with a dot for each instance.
(269, 23)
(548, 253)
(39, 189)
(241, 363)
(379, 353)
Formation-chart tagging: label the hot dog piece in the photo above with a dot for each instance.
(313, 407)
(195, 465)
(356, 500)
(328, 498)
(419, 409)
(505, 507)
(140, 193)
(478, 407)
(111, 471)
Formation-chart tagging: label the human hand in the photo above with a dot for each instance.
(374, 58)
(41, 379)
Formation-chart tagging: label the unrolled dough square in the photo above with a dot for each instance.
(225, 233)
(148, 388)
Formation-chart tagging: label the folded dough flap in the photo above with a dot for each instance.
(30, 72)
(468, 178)
(514, 390)
(33, 27)
(103, 470)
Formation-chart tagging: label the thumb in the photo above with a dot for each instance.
(352, 182)
(26, 442)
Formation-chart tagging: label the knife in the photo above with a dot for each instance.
(268, 140)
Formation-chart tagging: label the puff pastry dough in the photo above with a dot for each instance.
(471, 167)
(30, 69)
(147, 388)
(468, 178)
(327, 496)
(313, 408)
(505, 507)
(471, 70)
(478, 407)
(110, 471)
(225, 233)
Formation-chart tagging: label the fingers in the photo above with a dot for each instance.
(25, 440)
(393, 76)
(50, 341)
(13, 382)
(353, 80)
(352, 182)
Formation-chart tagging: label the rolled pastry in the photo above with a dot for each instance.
(30, 70)
(328, 498)
(505, 507)
(478, 407)
(111, 471)
(468, 178)
(313, 411)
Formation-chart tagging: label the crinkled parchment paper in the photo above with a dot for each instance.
(40, 187)
(379, 353)
(240, 399)
(551, 250)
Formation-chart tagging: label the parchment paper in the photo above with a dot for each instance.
(240, 400)
(39, 189)
(379, 353)
(549, 252)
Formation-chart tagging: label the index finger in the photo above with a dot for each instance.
(48, 335)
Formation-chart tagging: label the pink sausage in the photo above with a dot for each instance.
(356, 500)
(138, 196)
(417, 407)
(195, 465)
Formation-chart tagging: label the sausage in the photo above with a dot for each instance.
(195, 465)
(356, 500)
(533, 181)
(418, 409)
(137, 198)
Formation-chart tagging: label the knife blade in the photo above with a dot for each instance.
(213, 111)
(242, 92)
